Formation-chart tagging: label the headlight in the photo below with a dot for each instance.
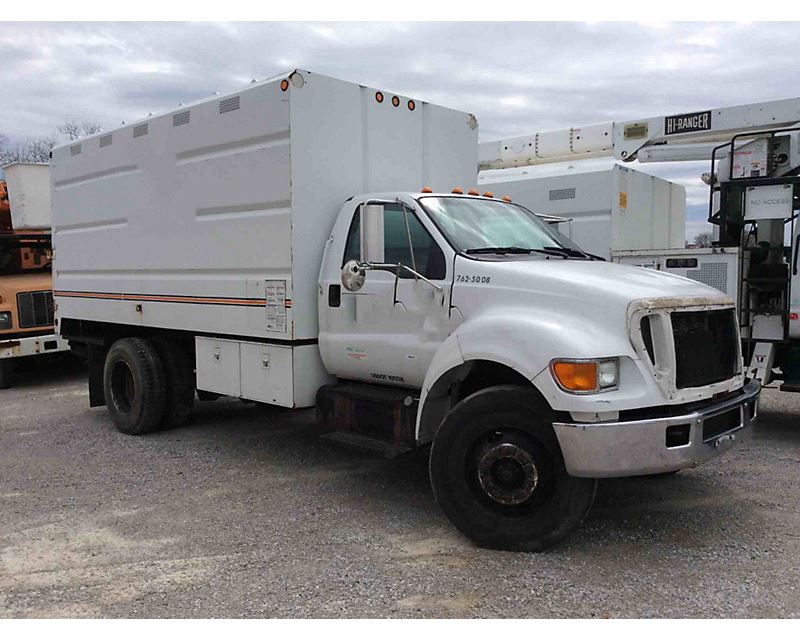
(5, 320)
(586, 376)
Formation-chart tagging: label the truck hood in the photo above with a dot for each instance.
(601, 293)
(10, 285)
(602, 280)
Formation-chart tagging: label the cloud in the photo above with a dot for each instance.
(516, 77)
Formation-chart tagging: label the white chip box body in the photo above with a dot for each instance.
(608, 209)
(212, 219)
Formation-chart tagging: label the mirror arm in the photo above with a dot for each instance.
(385, 266)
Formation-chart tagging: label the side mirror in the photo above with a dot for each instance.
(353, 275)
(372, 233)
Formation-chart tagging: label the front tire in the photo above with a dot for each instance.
(496, 470)
(134, 386)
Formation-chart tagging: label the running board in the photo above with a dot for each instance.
(387, 449)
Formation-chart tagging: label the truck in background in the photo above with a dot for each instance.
(307, 241)
(754, 201)
(602, 209)
(26, 254)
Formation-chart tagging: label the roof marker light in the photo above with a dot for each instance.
(506, 198)
(427, 190)
(378, 97)
(395, 101)
(458, 190)
(473, 192)
(488, 194)
(411, 105)
(284, 85)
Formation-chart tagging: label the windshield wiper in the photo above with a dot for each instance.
(561, 252)
(569, 252)
(499, 250)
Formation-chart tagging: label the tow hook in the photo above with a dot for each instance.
(725, 441)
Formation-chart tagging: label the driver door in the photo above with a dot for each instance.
(388, 331)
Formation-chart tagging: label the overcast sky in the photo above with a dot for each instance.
(516, 77)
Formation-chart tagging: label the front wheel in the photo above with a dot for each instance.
(497, 471)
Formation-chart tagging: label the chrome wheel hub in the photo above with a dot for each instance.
(507, 473)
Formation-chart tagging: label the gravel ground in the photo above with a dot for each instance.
(247, 512)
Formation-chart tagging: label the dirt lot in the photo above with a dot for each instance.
(247, 512)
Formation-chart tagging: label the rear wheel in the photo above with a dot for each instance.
(134, 386)
(497, 472)
(6, 373)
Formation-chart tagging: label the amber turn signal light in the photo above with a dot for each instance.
(576, 376)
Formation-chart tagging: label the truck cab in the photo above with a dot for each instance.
(456, 300)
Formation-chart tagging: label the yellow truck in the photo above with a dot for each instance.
(26, 281)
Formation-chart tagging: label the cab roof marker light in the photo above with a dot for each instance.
(473, 192)
(506, 198)
(488, 194)
(427, 190)
(458, 190)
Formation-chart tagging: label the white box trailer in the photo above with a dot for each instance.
(213, 218)
(607, 210)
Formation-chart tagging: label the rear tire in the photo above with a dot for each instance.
(134, 386)
(179, 378)
(6, 373)
(497, 471)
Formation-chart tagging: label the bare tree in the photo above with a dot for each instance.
(703, 239)
(38, 149)
(72, 130)
(30, 150)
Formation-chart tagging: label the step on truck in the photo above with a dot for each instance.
(298, 243)
(26, 283)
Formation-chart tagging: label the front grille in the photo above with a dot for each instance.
(706, 349)
(35, 309)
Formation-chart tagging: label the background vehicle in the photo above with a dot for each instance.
(754, 198)
(26, 296)
(274, 244)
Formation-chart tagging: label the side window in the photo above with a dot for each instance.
(428, 255)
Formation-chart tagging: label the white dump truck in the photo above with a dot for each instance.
(298, 243)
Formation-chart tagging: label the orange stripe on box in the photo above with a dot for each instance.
(140, 297)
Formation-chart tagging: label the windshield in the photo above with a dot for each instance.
(476, 226)
(21, 254)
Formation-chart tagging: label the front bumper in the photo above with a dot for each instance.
(20, 347)
(639, 447)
